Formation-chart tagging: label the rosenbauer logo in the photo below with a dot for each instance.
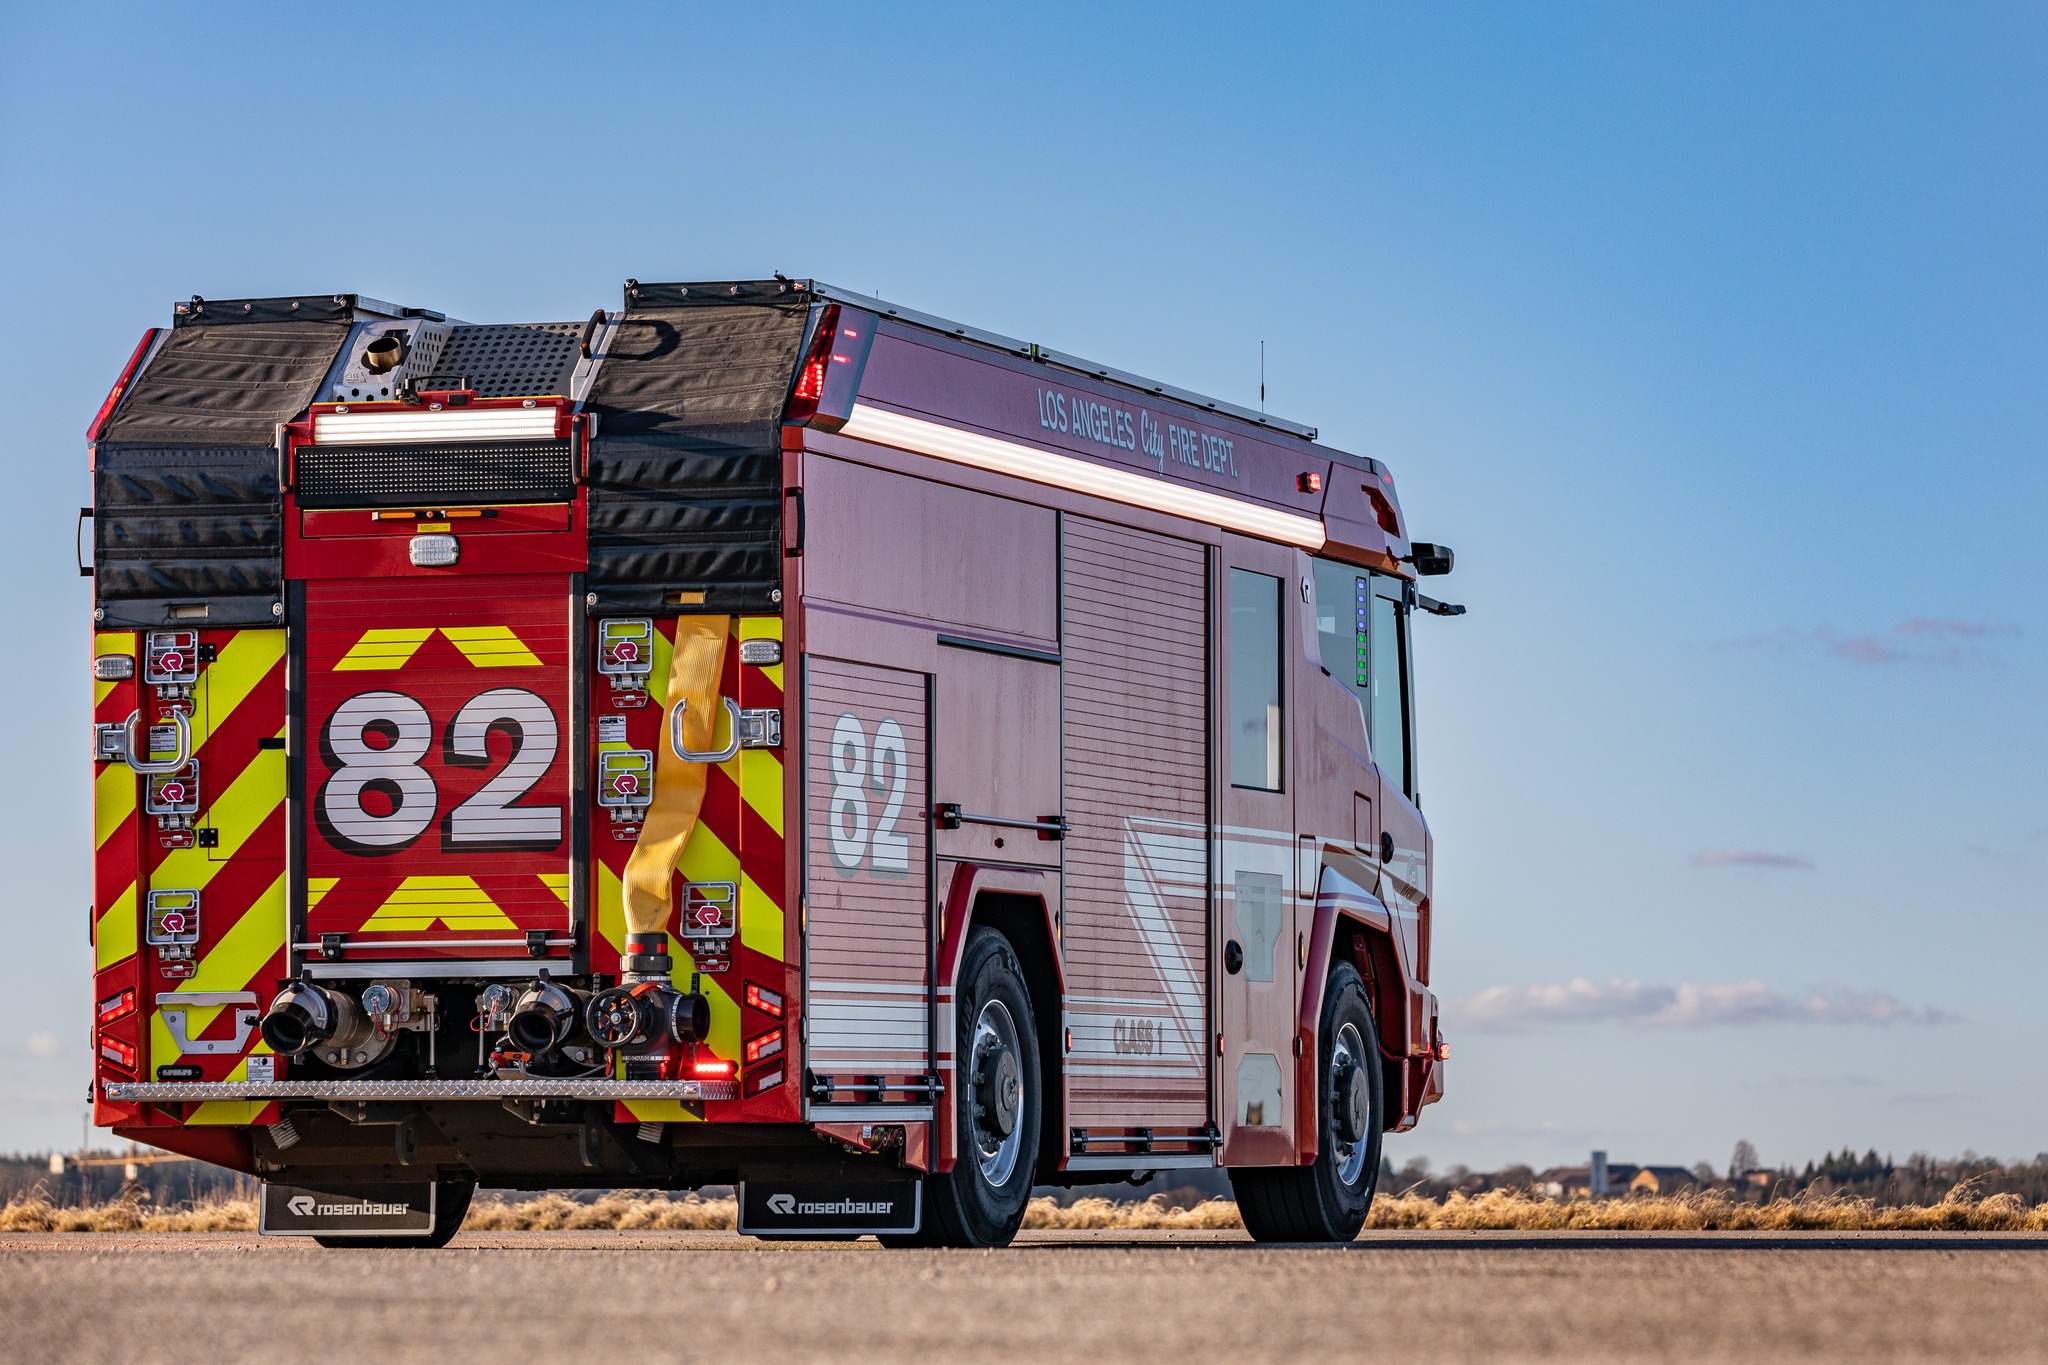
(306, 1206)
(788, 1205)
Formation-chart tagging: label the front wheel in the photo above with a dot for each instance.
(1327, 1201)
(995, 1099)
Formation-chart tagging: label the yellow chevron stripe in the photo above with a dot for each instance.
(491, 646)
(248, 801)
(110, 642)
(557, 882)
(760, 920)
(233, 961)
(663, 650)
(113, 799)
(225, 683)
(380, 649)
(457, 902)
(760, 778)
(114, 937)
(316, 887)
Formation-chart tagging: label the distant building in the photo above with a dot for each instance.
(1604, 1177)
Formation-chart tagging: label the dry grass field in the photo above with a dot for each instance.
(1496, 1210)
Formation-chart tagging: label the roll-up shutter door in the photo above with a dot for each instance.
(1134, 634)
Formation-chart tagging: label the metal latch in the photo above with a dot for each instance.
(760, 727)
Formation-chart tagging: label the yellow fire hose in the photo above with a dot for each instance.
(693, 675)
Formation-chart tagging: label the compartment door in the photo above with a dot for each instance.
(867, 910)
(437, 775)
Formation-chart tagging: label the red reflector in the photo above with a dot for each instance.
(767, 1045)
(117, 1006)
(1383, 511)
(1309, 483)
(764, 1000)
(119, 1053)
(711, 1067)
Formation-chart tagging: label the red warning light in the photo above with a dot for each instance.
(711, 1066)
(1309, 483)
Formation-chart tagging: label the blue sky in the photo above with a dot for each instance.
(1712, 340)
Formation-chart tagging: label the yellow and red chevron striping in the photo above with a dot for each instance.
(238, 703)
(738, 839)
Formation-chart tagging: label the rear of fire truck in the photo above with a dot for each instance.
(440, 808)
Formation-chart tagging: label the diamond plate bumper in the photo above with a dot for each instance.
(163, 1092)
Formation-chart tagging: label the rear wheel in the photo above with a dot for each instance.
(1327, 1201)
(980, 1202)
(451, 1204)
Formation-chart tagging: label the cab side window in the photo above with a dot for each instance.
(1362, 639)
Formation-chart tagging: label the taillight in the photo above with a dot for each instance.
(1383, 511)
(119, 1053)
(810, 376)
(118, 1006)
(92, 433)
(762, 999)
(710, 1068)
(766, 1045)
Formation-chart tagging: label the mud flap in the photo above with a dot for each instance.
(348, 1211)
(830, 1208)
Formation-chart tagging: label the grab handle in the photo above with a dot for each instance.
(675, 734)
(145, 766)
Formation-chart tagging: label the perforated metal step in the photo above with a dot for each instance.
(517, 360)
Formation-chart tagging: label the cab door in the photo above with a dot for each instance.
(1256, 964)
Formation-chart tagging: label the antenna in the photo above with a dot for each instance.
(1262, 378)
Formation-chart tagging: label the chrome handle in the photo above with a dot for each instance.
(675, 734)
(144, 766)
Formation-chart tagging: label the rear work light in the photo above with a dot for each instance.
(117, 1006)
(99, 420)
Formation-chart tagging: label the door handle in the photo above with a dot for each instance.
(145, 766)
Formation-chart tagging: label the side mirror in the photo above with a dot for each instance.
(1431, 561)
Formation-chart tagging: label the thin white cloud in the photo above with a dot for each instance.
(43, 1043)
(1751, 857)
(1687, 1004)
(1918, 639)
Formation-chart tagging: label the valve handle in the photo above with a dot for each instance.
(675, 735)
(145, 766)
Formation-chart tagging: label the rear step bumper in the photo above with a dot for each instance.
(164, 1092)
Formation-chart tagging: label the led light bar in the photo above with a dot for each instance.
(1082, 476)
(449, 424)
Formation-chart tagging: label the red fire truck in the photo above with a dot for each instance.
(758, 735)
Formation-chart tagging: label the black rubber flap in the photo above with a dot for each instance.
(686, 473)
(227, 385)
(176, 529)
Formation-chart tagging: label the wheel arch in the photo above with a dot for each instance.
(1353, 925)
(1019, 904)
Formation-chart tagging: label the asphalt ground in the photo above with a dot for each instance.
(113, 1298)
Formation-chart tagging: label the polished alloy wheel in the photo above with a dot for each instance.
(997, 1079)
(1350, 1103)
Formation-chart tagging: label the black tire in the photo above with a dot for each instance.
(451, 1203)
(980, 1202)
(1328, 1201)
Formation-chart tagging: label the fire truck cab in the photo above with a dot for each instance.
(758, 735)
